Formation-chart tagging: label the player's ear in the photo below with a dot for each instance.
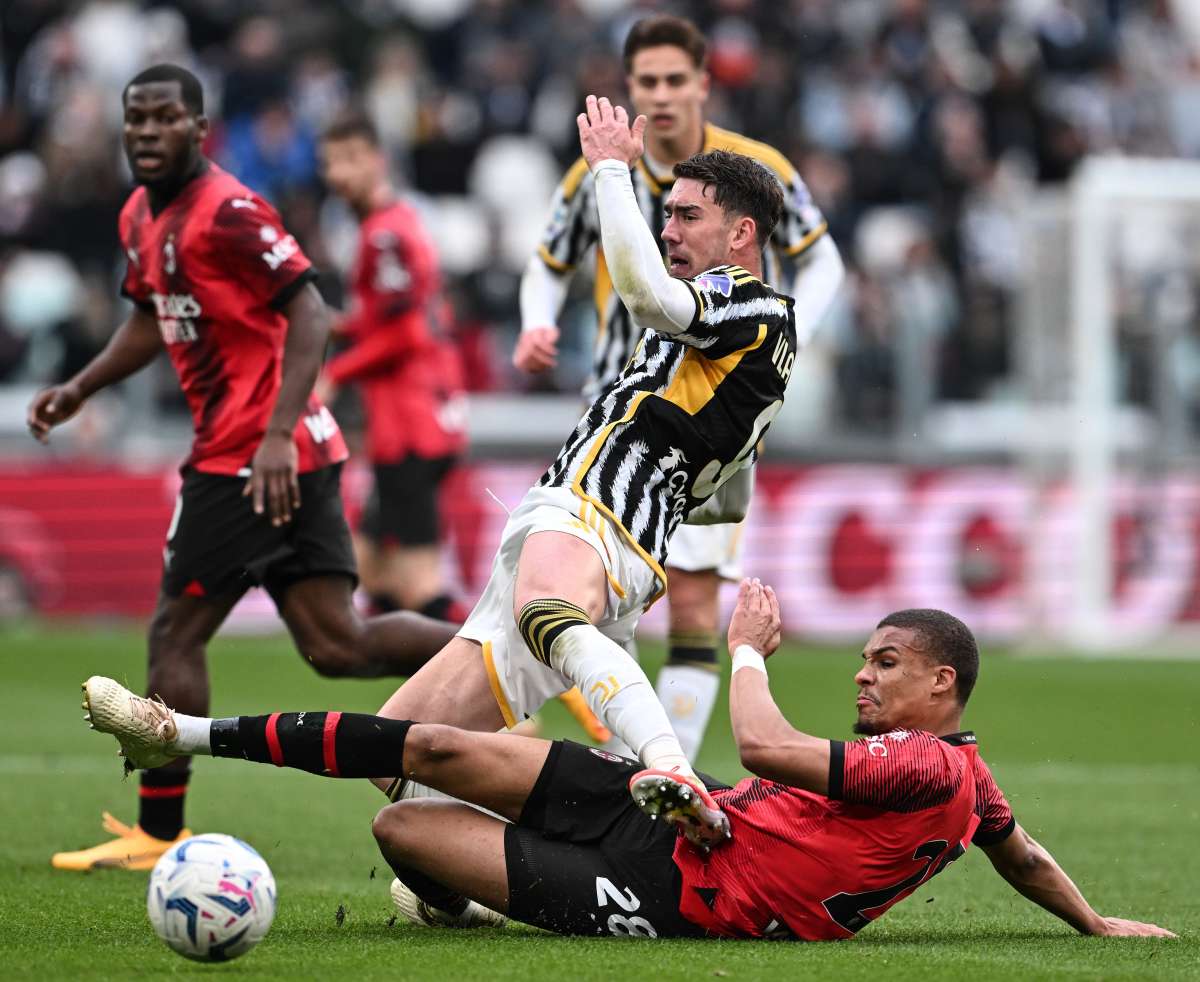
(944, 677)
(202, 129)
(705, 79)
(745, 232)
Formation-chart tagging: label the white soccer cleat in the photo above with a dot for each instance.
(418, 912)
(683, 802)
(145, 728)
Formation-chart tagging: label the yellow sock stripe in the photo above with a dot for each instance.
(542, 621)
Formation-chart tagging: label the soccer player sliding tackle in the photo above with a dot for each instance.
(827, 837)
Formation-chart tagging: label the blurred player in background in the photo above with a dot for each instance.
(217, 281)
(827, 836)
(665, 66)
(409, 377)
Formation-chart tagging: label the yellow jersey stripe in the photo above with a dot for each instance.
(696, 381)
(489, 664)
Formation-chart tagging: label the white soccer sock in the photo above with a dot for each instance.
(688, 693)
(193, 737)
(620, 694)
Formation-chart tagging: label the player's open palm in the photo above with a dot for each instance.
(605, 133)
(1119, 927)
(755, 619)
(51, 407)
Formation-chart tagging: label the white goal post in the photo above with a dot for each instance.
(1118, 208)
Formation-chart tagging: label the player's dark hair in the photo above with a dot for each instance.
(190, 90)
(351, 125)
(653, 32)
(740, 185)
(945, 640)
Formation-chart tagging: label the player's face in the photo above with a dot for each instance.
(895, 683)
(162, 136)
(352, 168)
(698, 233)
(669, 90)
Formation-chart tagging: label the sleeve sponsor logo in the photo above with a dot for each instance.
(282, 250)
(721, 283)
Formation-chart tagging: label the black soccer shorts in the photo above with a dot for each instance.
(403, 507)
(218, 547)
(583, 859)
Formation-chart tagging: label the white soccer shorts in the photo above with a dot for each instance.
(699, 547)
(521, 683)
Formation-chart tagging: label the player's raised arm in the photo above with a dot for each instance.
(610, 146)
(1034, 874)
(132, 346)
(767, 743)
(274, 472)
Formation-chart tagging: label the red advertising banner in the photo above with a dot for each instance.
(843, 545)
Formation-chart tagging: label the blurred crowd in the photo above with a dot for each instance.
(920, 126)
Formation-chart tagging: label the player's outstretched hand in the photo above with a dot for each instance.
(605, 133)
(755, 619)
(1118, 927)
(51, 407)
(537, 350)
(274, 482)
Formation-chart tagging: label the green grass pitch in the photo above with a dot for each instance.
(1101, 760)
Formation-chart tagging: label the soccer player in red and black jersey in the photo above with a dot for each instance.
(410, 377)
(217, 281)
(824, 839)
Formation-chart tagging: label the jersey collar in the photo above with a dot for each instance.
(965, 738)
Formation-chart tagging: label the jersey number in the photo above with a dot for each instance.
(619, 924)
(850, 909)
(713, 474)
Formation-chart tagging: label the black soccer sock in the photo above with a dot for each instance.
(439, 609)
(330, 744)
(160, 801)
(698, 649)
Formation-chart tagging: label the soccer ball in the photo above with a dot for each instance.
(211, 898)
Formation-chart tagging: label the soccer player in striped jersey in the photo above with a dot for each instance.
(668, 83)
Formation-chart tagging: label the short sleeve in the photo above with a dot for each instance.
(903, 771)
(996, 821)
(249, 239)
(731, 307)
(802, 223)
(574, 225)
(132, 284)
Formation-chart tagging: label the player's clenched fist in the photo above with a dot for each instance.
(51, 407)
(605, 133)
(537, 349)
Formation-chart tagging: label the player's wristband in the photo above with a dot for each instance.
(745, 656)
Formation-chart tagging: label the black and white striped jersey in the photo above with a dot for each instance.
(685, 414)
(574, 227)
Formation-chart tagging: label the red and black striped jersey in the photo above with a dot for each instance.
(901, 807)
(215, 267)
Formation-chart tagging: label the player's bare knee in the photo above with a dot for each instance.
(397, 827)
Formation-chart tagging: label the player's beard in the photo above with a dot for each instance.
(865, 728)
